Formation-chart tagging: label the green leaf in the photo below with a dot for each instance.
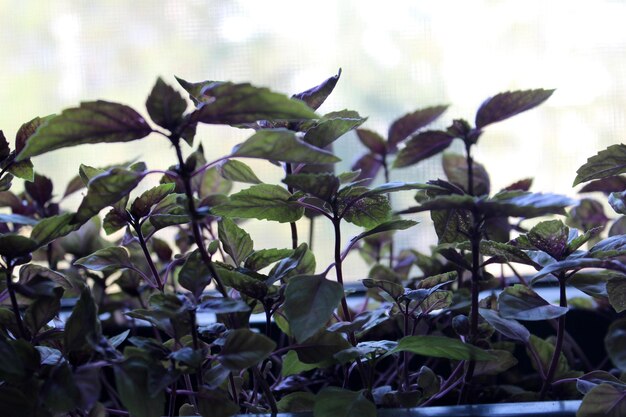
(132, 380)
(142, 204)
(246, 282)
(244, 349)
(594, 283)
(236, 241)
(92, 122)
(228, 103)
(550, 237)
(106, 189)
(166, 106)
(321, 347)
(265, 257)
(385, 279)
(293, 366)
(331, 127)
(366, 350)
(263, 201)
(373, 141)
(115, 220)
(14, 246)
(213, 183)
(31, 271)
(194, 89)
(604, 400)
(505, 105)
(300, 262)
(422, 146)
(444, 203)
(567, 265)
(441, 347)
(508, 327)
(452, 225)
(615, 343)
(338, 402)
(234, 170)
(22, 169)
(578, 241)
(606, 163)
(455, 167)
(223, 305)
(501, 252)
(172, 210)
(385, 227)
(309, 303)
(522, 303)
(296, 402)
(82, 328)
(367, 212)
(282, 145)
(315, 96)
(215, 403)
(394, 187)
(54, 227)
(610, 247)
(524, 204)
(409, 123)
(61, 392)
(116, 257)
(323, 186)
(616, 289)
(41, 311)
(12, 368)
(545, 351)
(503, 361)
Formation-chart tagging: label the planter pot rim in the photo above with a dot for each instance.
(527, 409)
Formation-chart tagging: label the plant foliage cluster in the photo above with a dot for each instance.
(435, 328)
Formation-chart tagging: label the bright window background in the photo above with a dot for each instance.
(396, 56)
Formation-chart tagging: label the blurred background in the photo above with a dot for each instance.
(397, 56)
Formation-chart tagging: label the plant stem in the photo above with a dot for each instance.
(292, 225)
(266, 390)
(146, 253)
(338, 269)
(14, 305)
(117, 412)
(405, 354)
(560, 331)
(470, 168)
(195, 226)
(475, 238)
(311, 232)
(386, 173)
(194, 337)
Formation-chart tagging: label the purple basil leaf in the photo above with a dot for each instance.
(505, 105)
(27, 130)
(606, 185)
(606, 163)
(166, 106)
(372, 140)
(369, 165)
(315, 96)
(92, 122)
(403, 127)
(521, 185)
(422, 146)
(237, 104)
